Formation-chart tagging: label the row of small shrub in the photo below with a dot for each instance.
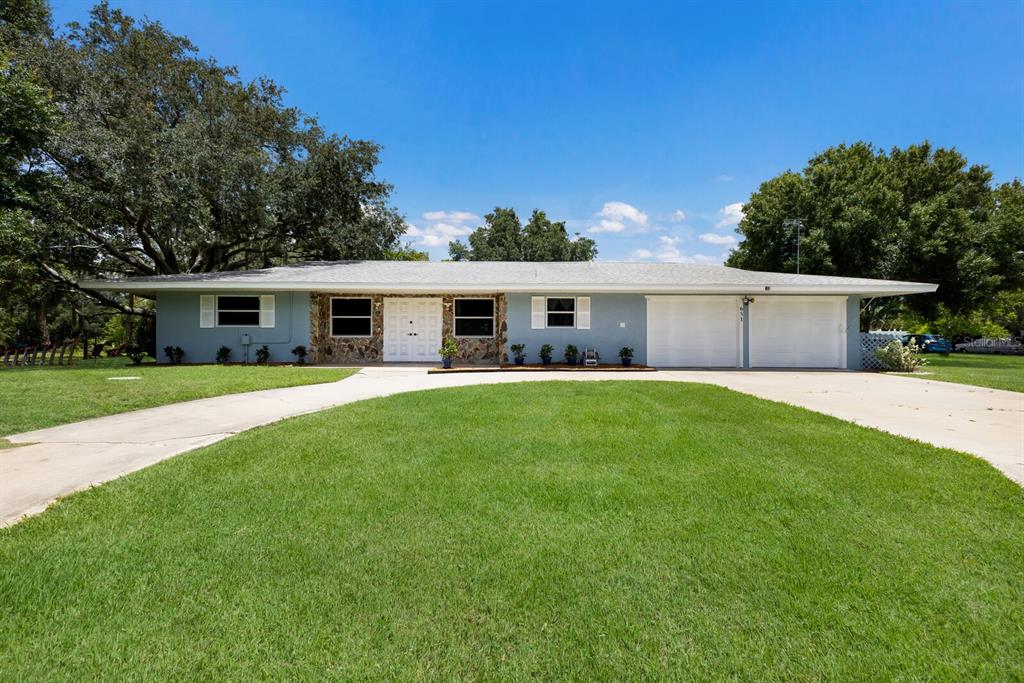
(571, 354)
(175, 354)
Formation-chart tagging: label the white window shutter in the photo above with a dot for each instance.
(207, 314)
(267, 313)
(537, 313)
(583, 313)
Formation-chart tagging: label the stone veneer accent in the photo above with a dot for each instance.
(328, 349)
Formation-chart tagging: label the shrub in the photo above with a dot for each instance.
(263, 355)
(136, 354)
(449, 349)
(546, 350)
(300, 354)
(223, 353)
(518, 349)
(895, 357)
(625, 352)
(571, 354)
(174, 354)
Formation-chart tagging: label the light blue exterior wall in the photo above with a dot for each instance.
(853, 333)
(606, 334)
(177, 324)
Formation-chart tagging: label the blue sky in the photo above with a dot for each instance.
(644, 126)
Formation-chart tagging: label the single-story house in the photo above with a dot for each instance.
(671, 314)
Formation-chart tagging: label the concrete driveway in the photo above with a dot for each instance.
(60, 460)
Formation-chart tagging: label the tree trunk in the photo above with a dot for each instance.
(42, 324)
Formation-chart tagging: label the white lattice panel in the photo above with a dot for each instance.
(871, 342)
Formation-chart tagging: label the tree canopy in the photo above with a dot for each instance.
(504, 238)
(159, 161)
(918, 214)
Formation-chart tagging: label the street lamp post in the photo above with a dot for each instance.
(798, 223)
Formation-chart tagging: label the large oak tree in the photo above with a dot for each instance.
(919, 213)
(166, 162)
(504, 238)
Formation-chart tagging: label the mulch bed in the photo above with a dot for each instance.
(509, 367)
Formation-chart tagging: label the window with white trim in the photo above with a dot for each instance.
(474, 317)
(351, 317)
(561, 311)
(238, 311)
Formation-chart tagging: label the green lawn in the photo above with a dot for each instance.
(983, 370)
(557, 530)
(42, 397)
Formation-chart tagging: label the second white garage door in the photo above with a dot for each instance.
(694, 331)
(798, 332)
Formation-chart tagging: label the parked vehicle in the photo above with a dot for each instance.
(988, 345)
(928, 343)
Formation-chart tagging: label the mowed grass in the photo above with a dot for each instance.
(983, 370)
(557, 530)
(33, 398)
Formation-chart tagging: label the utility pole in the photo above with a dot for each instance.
(798, 223)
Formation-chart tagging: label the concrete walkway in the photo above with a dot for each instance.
(60, 460)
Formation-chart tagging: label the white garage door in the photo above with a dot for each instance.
(693, 331)
(798, 332)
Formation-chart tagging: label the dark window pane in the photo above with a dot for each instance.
(474, 327)
(561, 320)
(238, 318)
(561, 304)
(350, 327)
(350, 307)
(238, 303)
(474, 308)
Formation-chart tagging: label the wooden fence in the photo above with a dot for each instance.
(38, 356)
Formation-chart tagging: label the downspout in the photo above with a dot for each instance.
(746, 331)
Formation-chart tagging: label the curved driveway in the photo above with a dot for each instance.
(59, 460)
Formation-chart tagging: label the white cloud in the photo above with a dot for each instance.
(450, 216)
(677, 216)
(667, 251)
(668, 248)
(731, 215)
(618, 216)
(444, 227)
(725, 178)
(712, 238)
(608, 225)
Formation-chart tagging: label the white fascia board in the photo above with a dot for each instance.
(882, 289)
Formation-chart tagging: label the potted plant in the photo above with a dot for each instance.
(545, 353)
(518, 349)
(572, 354)
(263, 355)
(449, 349)
(300, 354)
(223, 353)
(626, 356)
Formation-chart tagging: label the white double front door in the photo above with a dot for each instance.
(412, 330)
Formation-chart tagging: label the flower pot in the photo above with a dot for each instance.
(571, 360)
(520, 360)
(626, 362)
(546, 360)
(446, 363)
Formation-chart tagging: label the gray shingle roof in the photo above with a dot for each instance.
(512, 276)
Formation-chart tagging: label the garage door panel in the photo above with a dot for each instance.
(693, 331)
(791, 332)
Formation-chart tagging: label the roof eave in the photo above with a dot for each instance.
(882, 289)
